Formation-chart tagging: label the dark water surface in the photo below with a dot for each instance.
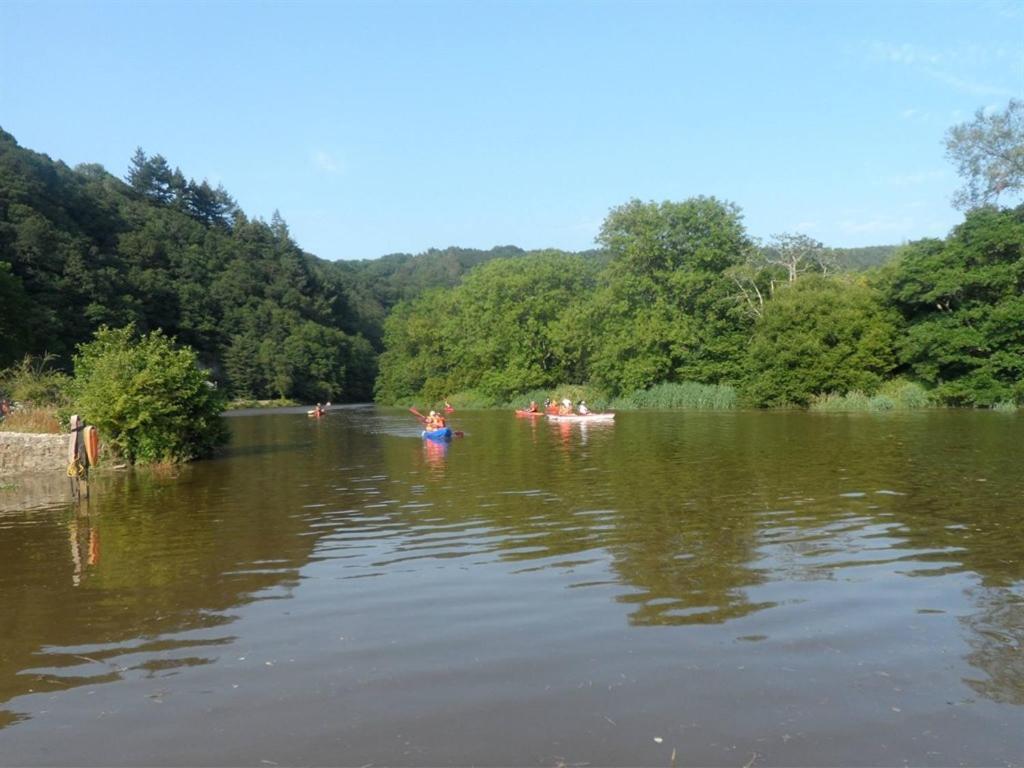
(782, 588)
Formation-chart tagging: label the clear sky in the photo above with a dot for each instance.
(400, 126)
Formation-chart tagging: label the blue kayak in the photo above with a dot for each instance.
(444, 433)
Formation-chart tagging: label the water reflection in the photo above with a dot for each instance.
(842, 550)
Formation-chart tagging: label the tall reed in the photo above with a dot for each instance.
(682, 395)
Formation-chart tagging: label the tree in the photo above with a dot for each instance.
(989, 155)
(963, 302)
(666, 309)
(15, 332)
(149, 398)
(797, 254)
(819, 335)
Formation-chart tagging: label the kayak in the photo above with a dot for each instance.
(577, 418)
(527, 414)
(445, 433)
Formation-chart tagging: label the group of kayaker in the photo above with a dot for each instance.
(564, 408)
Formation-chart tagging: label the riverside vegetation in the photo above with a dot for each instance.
(677, 307)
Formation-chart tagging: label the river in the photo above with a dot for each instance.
(737, 588)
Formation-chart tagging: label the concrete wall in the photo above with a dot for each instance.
(21, 452)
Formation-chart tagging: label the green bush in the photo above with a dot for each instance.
(471, 399)
(906, 395)
(894, 395)
(33, 382)
(149, 399)
(686, 394)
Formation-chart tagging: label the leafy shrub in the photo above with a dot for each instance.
(906, 395)
(686, 394)
(894, 395)
(33, 382)
(1006, 406)
(471, 399)
(149, 399)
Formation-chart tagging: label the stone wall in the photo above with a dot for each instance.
(21, 452)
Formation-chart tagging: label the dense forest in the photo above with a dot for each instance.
(81, 248)
(677, 293)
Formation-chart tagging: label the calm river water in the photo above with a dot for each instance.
(740, 588)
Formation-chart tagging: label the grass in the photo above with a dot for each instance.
(1007, 406)
(33, 382)
(36, 420)
(895, 395)
(688, 395)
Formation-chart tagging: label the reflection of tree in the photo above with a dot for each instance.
(180, 549)
(997, 641)
(684, 537)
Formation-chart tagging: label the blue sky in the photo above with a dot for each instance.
(401, 126)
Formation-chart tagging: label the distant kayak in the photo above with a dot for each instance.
(527, 414)
(575, 417)
(444, 433)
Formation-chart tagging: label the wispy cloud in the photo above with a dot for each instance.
(876, 225)
(948, 66)
(326, 162)
(915, 179)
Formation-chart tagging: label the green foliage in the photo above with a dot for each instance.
(15, 328)
(860, 259)
(819, 335)
(34, 382)
(989, 154)
(507, 328)
(682, 395)
(963, 302)
(85, 249)
(149, 399)
(470, 399)
(666, 309)
(894, 395)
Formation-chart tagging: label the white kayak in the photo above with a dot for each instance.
(575, 417)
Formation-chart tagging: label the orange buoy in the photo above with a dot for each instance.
(91, 438)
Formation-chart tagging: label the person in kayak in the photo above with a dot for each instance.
(533, 407)
(583, 410)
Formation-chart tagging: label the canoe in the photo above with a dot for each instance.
(576, 418)
(445, 433)
(528, 414)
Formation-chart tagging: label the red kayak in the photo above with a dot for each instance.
(526, 414)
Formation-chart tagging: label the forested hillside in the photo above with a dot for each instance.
(677, 293)
(81, 248)
(686, 298)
